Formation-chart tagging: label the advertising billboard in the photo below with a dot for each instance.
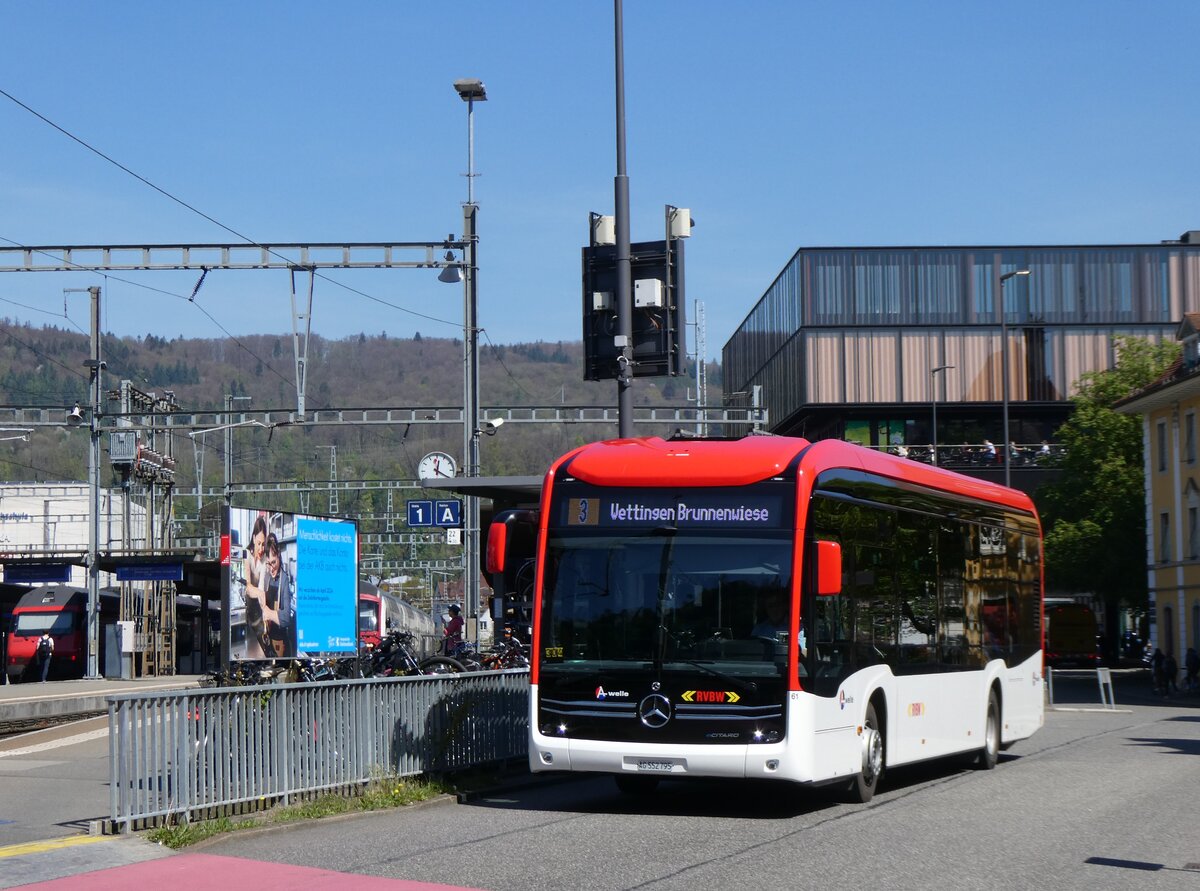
(289, 585)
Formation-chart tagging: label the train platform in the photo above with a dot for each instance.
(31, 705)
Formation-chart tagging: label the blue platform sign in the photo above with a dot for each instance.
(150, 572)
(420, 513)
(18, 573)
(447, 513)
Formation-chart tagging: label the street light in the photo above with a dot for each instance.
(470, 90)
(1004, 373)
(933, 373)
(623, 341)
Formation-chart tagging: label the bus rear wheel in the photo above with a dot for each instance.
(862, 787)
(986, 758)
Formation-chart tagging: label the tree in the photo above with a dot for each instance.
(1094, 513)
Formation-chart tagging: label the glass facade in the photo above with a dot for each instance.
(861, 327)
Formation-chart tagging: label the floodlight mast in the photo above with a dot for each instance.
(471, 90)
(623, 342)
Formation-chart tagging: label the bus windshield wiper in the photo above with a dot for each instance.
(749, 686)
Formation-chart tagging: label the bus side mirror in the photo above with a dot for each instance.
(497, 546)
(829, 568)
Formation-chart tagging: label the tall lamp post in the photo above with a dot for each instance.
(933, 381)
(1007, 444)
(470, 90)
(624, 295)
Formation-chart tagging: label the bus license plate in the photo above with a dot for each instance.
(661, 766)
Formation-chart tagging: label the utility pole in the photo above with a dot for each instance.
(228, 450)
(95, 366)
(471, 419)
(229, 400)
(333, 498)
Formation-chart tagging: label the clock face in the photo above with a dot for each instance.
(435, 466)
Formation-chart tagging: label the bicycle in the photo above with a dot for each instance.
(467, 654)
(506, 653)
(238, 674)
(396, 655)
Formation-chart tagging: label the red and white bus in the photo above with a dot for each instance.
(769, 607)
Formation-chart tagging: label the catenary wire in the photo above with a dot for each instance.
(205, 216)
(203, 311)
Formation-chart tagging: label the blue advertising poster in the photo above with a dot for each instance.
(290, 586)
(326, 586)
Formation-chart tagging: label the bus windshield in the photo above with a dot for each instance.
(665, 599)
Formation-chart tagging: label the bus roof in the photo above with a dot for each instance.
(653, 461)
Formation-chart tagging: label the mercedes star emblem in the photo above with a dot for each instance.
(655, 711)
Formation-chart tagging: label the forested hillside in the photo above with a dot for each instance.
(44, 367)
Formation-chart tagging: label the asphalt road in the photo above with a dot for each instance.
(1095, 800)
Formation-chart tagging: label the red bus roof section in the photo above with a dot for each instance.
(694, 462)
(653, 461)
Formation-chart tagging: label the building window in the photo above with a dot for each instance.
(1189, 438)
(1193, 533)
(1162, 446)
(1196, 625)
(1164, 538)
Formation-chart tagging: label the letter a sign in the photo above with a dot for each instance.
(447, 513)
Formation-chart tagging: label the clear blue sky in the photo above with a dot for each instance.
(779, 124)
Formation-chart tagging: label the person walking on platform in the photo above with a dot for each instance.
(45, 650)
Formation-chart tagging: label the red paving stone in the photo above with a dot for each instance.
(210, 872)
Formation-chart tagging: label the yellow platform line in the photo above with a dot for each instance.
(52, 844)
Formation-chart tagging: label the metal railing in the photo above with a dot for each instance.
(197, 754)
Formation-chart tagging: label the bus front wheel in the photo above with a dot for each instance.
(862, 787)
